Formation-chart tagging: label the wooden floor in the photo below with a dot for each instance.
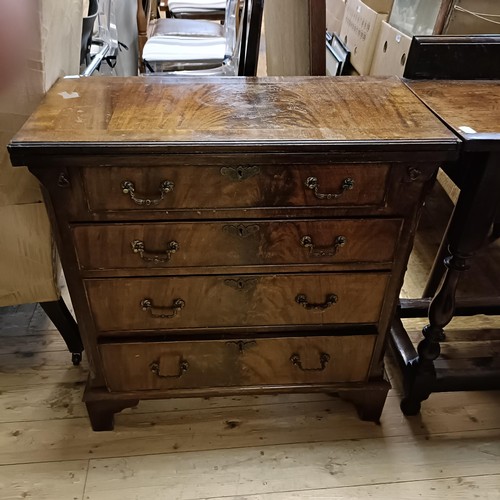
(247, 448)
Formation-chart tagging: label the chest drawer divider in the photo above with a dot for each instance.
(128, 187)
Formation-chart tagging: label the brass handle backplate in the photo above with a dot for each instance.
(128, 187)
(240, 173)
(323, 360)
(156, 312)
(330, 300)
(183, 368)
(313, 184)
(307, 242)
(139, 247)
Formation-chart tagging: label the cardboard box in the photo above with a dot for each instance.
(463, 17)
(27, 265)
(360, 29)
(27, 260)
(447, 17)
(335, 10)
(54, 52)
(391, 52)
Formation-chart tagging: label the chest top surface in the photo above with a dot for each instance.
(177, 113)
(470, 108)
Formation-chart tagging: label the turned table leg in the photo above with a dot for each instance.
(469, 227)
(102, 413)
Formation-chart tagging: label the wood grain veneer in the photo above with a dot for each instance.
(236, 157)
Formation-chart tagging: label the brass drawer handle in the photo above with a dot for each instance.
(312, 183)
(139, 247)
(323, 360)
(147, 305)
(330, 300)
(183, 368)
(240, 173)
(307, 242)
(128, 187)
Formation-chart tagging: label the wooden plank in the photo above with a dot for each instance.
(485, 487)
(294, 467)
(46, 402)
(15, 319)
(462, 336)
(470, 350)
(27, 369)
(30, 344)
(227, 428)
(50, 481)
(59, 401)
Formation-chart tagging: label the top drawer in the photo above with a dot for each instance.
(238, 186)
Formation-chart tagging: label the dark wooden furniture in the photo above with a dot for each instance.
(63, 320)
(233, 235)
(471, 109)
(453, 57)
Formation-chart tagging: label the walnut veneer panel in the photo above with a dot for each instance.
(231, 301)
(235, 243)
(232, 174)
(238, 186)
(172, 111)
(169, 365)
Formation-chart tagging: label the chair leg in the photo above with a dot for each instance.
(59, 314)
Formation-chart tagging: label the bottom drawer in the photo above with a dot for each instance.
(224, 363)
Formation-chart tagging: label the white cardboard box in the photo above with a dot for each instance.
(335, 10)
(391, 52)
(360, 29)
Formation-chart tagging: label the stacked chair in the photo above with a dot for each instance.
(200, 47)
(197, 9)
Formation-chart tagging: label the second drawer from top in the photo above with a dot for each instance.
(235, 243)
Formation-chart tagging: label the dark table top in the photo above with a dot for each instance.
(470, 108)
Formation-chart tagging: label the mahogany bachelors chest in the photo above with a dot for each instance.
(233, 235)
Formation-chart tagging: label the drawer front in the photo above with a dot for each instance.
(252, 186)
(291, 360)
(167, 245)
(135, 304)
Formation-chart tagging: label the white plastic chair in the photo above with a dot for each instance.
(197, 9)
(186, 45)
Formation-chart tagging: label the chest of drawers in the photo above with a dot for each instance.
(233, 235)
